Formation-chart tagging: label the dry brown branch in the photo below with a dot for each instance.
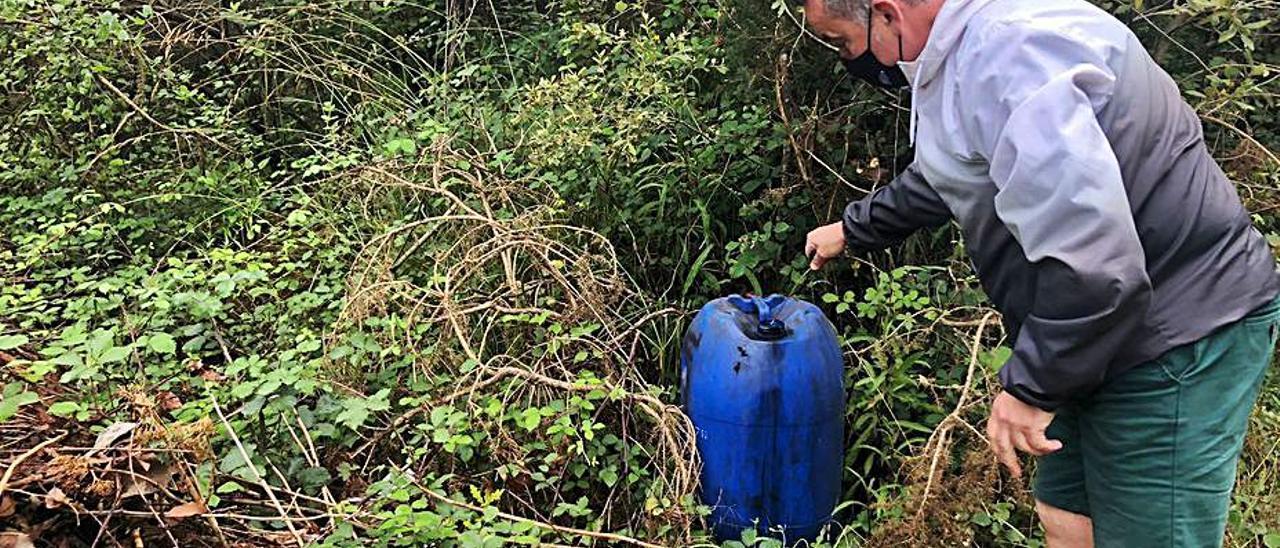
(938, 440)
(203, 134)
(231, 432)
(8, 473)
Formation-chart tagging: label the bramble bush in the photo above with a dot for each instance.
(406, 273)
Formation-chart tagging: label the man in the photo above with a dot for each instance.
(1141, 301)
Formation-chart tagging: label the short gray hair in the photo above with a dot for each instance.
(853, 9)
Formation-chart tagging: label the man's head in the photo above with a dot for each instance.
(843, 23)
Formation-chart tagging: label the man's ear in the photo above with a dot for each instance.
(889, 13)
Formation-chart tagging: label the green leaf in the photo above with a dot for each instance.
(1271, 540)
(162, 343)
(114, 354)
(695, 269)
(1002, 512)
(609, 476)
(234, 462)
(64, 408)
(13, 401)
(530, 419)
(9, 342)
(313, 477)
(353, 416)
(403, 144)
(996, 357)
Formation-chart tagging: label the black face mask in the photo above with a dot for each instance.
(870, 70)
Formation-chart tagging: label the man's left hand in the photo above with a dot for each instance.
(1016, 425)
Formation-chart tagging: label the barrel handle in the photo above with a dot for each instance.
(763, 311)
(770, 328)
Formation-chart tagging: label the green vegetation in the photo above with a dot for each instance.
(381, 272)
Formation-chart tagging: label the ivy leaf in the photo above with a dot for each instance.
(1272, 540)
(353, 416)
(609, 476)
(530, 419)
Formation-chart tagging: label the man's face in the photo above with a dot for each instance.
(889, 21)
(848, 35)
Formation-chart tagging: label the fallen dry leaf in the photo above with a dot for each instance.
(187, 510)
(55, 498)
(150, 482)
(113, 433)
(7, 506)
(211, 375)
(169, 401)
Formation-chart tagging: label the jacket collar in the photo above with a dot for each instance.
(948, 29)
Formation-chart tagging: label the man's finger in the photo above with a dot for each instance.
(818, 261)
(1042, 445)
(810, 248)
(1010, 460)
(1002, 446)
(1022, 443)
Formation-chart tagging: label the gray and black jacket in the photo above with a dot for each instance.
(1098, 221)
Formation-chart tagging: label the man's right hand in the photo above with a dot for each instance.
(823, 244)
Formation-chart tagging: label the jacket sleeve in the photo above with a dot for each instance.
(893, 212)
(1032, 96)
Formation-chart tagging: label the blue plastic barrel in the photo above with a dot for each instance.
(762, 380)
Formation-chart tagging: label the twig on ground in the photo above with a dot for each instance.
(8, 473)
(231, 432)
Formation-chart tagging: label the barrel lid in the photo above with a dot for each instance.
(768, 327)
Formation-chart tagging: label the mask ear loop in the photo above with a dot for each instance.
(869, 27)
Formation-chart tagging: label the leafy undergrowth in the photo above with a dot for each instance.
(387, 273)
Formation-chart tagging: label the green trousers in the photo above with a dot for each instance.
(1151, 456)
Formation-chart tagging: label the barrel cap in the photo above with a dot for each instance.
(768, 327)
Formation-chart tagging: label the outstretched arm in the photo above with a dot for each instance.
(883, 218)
(893, 212)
